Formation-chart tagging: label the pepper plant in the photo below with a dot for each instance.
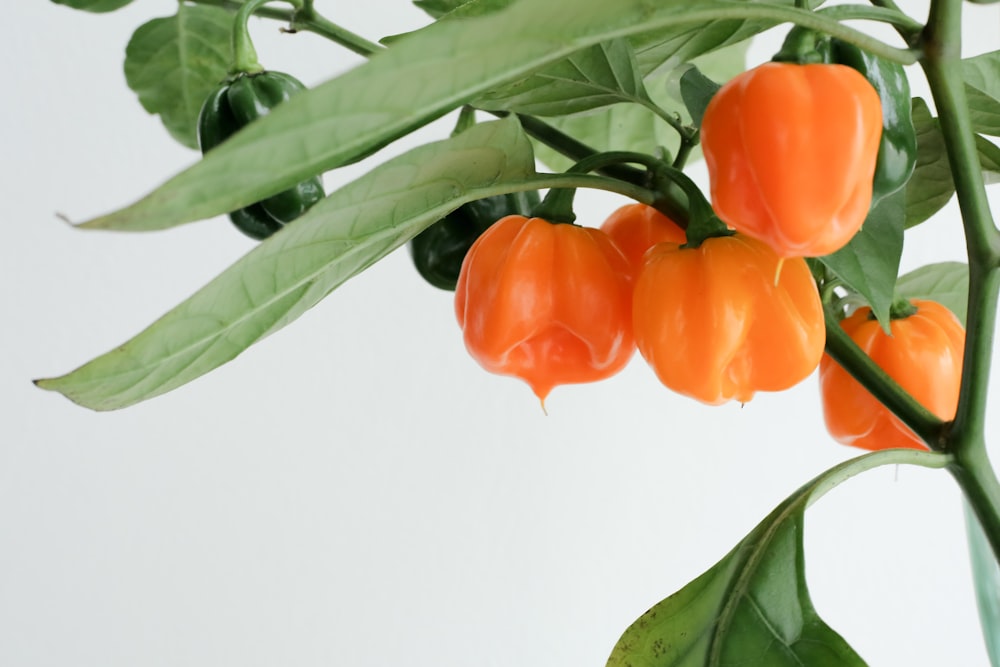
(818, 161)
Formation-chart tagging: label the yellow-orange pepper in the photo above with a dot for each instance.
(923, 355)
(548, 303)
(713, 324)
(635, 228)
(791, 152)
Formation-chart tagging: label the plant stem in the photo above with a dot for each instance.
(941, 46)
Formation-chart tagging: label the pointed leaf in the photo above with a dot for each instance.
(594, 77)
(96, 6)
(986, 574)
(982, 89)
(173, 64)
(632, 127)
(291, 271)
(421, 77)
(945, 282)
(752, 608)
(930, 187)
(869, 264)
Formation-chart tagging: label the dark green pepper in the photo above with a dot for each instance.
(234, 105)
(439, 250)
(897, 151)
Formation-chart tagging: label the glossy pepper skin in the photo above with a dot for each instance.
(96, 7)
(713, 325)
(635, 228)
(924, 355)
(548, 303)
(234, 105)
(791, 152)
(439, 250)
(897, 151)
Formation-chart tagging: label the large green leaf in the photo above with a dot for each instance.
(291, 271)
(96, 6)
(597, 76)
(945, 282)
(419, 78)
(930, 187)
(438, 8)
(982, 88)
(870, 262)
(752, 609)
(986, 574)
(633, 127)
(173, 64)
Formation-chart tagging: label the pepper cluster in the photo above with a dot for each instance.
(798, 152)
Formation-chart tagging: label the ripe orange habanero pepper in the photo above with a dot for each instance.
(923, 354)
(549, 303)
(635, 228)
(791, 152)
(713, 324)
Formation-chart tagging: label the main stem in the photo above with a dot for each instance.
(941, 46)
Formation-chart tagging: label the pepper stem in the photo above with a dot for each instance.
(244, 54)
(803, 46)
(558, 203)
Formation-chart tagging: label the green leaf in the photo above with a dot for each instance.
(631, 127)
(945, 282)
(869, 264)
(438, 8)
(989, 159)
(292, 270)
(677, 44)
(986, 574)
(931, 185)
(598, 76)
(982, 88)
(96, 6)
(173, 64)
(400, 89)
(697, 91)
(752, 608)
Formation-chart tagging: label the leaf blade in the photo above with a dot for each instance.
(173, 63)
(293, 270)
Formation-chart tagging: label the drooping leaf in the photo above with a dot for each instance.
(96, 6)
(986, 574)
(421, 77)
(944, 282)
(292, 270)
(696, 91)
(870, 262)
(982, 89)
(632, 127)
(173, 63)
(598, 76)
(931, 185)
(752, 608)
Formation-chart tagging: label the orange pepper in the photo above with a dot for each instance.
(714, 325)
(548, 303)
(791, 152)
(923, 355)
(635, 228)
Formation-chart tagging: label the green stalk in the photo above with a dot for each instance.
(942, 45)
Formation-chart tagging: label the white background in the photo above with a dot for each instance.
(354, 490)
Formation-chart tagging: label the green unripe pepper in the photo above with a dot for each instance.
(897, 152)
(439, 250)
(235, 104)
(96, 6)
